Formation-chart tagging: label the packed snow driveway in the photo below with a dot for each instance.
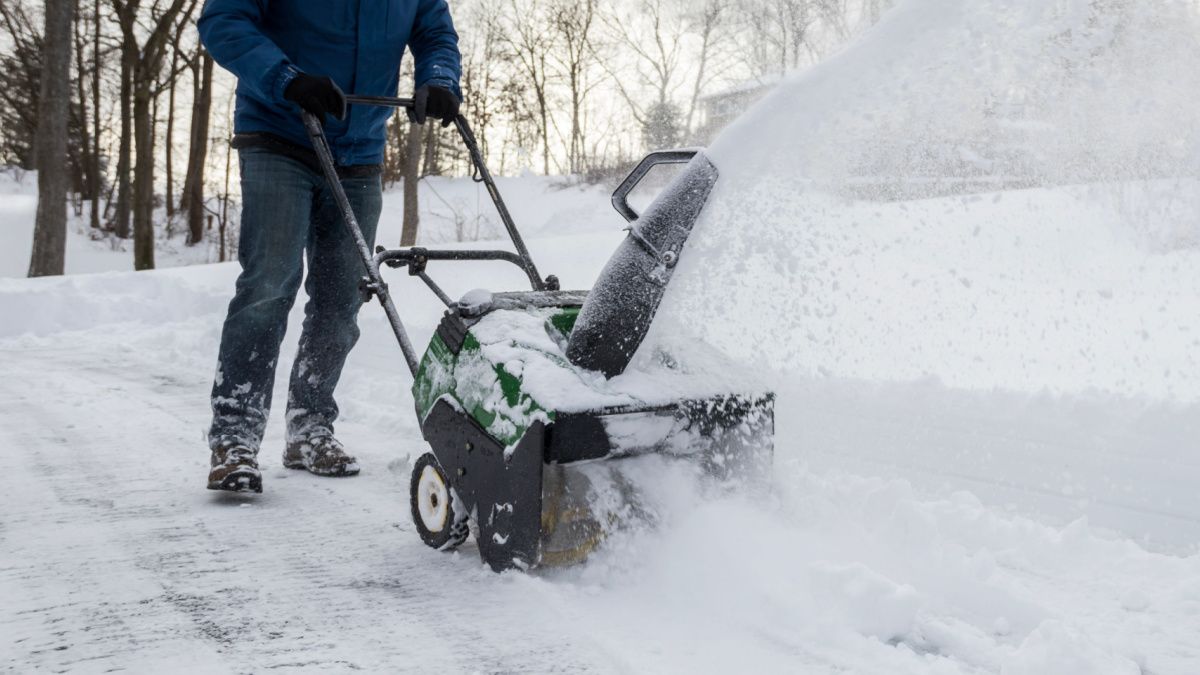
(115, 557)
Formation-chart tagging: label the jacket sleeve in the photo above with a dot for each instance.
(230, 31)
(434, 45)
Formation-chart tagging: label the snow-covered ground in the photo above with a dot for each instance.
(988, 412)
(915, 526)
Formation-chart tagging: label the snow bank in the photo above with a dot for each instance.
(15, 181)
(56, 304)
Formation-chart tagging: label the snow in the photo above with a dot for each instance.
(906, 531)
(1102, 90)
(986, 456)
(520, 341)
(1057, 290)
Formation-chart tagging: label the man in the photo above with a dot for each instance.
(290, 55)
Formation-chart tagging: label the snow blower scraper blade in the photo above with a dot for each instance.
(532, 438)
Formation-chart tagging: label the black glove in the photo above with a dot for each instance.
(318, 95)
(433, 101)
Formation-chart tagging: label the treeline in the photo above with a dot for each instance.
(573, 87)
(583, 87)
(129, 64)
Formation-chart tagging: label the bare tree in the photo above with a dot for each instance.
(145, 60)
(54, 102)
(412, 177)
(484, 60)
(654, 40)
(706, 24)
(97, 65)
(89, 180)
(20, 83)
(780, 29)
(180, 61)
(21, 62)
(86, 126)
(526, 36)
(169, 143)
(393, 150)
(574, 21)
(192, 200)
(127, 15)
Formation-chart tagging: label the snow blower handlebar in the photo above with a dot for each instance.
(620, 196)
(481, 175)
(415, 258)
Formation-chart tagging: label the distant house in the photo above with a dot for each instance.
(720, 108)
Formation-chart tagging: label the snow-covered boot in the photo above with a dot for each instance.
(322, 455)
(234, 468)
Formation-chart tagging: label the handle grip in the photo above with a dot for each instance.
(482, 174)
(620, 195)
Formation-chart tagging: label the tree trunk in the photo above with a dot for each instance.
(193, 182)
(169, 196)
(577, 142)
(50, 228)
(412, 178)
(95, 219)
(225, 203)
(153, 135)
(393, 160)
(143, 177)
(433, 166)
(194, 65)
(124, 147)
(89, 181)
(545, 129)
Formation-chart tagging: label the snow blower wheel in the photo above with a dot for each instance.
(433, 507)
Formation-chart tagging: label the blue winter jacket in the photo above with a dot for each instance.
(357, 43)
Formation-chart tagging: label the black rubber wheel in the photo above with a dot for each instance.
(438, 518)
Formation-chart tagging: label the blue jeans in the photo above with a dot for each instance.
(289, 218)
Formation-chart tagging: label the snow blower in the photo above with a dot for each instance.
(517, 392)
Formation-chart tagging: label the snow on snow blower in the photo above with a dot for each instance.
(516, 395)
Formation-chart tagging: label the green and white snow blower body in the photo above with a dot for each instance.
(509, 417)
(521, 394)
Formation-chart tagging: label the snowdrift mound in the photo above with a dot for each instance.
(49, 305)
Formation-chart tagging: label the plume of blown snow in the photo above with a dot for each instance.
(988, 193)
(1038, 92)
